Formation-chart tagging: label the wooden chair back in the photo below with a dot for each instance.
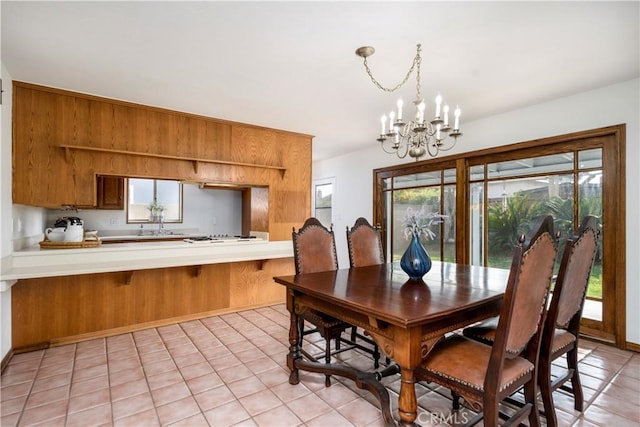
(365, 244)
(573, 277)
(314, 248)
(522, 315)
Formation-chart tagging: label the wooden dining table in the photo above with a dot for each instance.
(405, 318)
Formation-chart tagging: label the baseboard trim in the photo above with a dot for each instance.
(5, 360)
(633, 346)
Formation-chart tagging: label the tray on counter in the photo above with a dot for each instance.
(48, 244)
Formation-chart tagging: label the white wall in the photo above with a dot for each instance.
(607, 106)
(5, 208)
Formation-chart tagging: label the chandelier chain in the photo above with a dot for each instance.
(416, 61)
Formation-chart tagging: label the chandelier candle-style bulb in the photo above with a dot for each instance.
(438, 103)
(392, 117)
(400, 109)
(456, 121)
(445, 110)
(421, 112)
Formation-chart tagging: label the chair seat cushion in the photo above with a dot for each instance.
(561, 339)
(466, 361)
(484, 332)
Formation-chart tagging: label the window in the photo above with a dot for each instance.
(154, 201)
(322, 203)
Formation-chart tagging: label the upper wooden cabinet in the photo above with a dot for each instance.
(62, 140)
(110, 192)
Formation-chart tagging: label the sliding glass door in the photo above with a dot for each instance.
(490, 198)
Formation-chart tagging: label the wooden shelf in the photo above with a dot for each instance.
(194, 160)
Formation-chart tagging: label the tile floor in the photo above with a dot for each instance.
(230, 370)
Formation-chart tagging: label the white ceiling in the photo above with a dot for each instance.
(292, 66)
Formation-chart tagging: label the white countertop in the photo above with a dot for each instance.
(35, 262)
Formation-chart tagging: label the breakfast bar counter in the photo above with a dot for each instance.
(36, 262)
(60, 296)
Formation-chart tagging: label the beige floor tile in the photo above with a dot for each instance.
(280, 416)
(204, 382)
(98, 415)
(89, 400)
(133, 405)
(260, 402)
(246, 386)
(602, 417)
(330, 419)
(178, 410)
(147, 418)
(309, 407)
(226, 415)
(170, 393)
(215, 397)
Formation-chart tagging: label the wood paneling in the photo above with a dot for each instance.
(44, 119)
(57, 309)
(252, 282)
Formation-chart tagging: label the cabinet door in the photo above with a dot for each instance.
(110, 192)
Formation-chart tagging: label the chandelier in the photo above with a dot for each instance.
(416, 137)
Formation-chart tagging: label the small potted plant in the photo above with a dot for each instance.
(156, 211)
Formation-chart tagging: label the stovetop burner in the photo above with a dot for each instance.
(200, 238)
(217, 238)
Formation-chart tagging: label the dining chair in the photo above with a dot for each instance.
(365, 249)
(364, 244)
(485, 375)
(562, 326)
(314, 250)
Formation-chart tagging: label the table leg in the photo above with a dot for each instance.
(295, 341)
(407, 352)
(407, 402)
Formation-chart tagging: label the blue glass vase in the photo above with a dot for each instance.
(415, 260)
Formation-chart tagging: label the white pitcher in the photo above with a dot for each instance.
(55, 234)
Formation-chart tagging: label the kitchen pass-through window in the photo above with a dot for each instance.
(154, 201)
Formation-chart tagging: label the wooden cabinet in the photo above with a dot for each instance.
(110, 192)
